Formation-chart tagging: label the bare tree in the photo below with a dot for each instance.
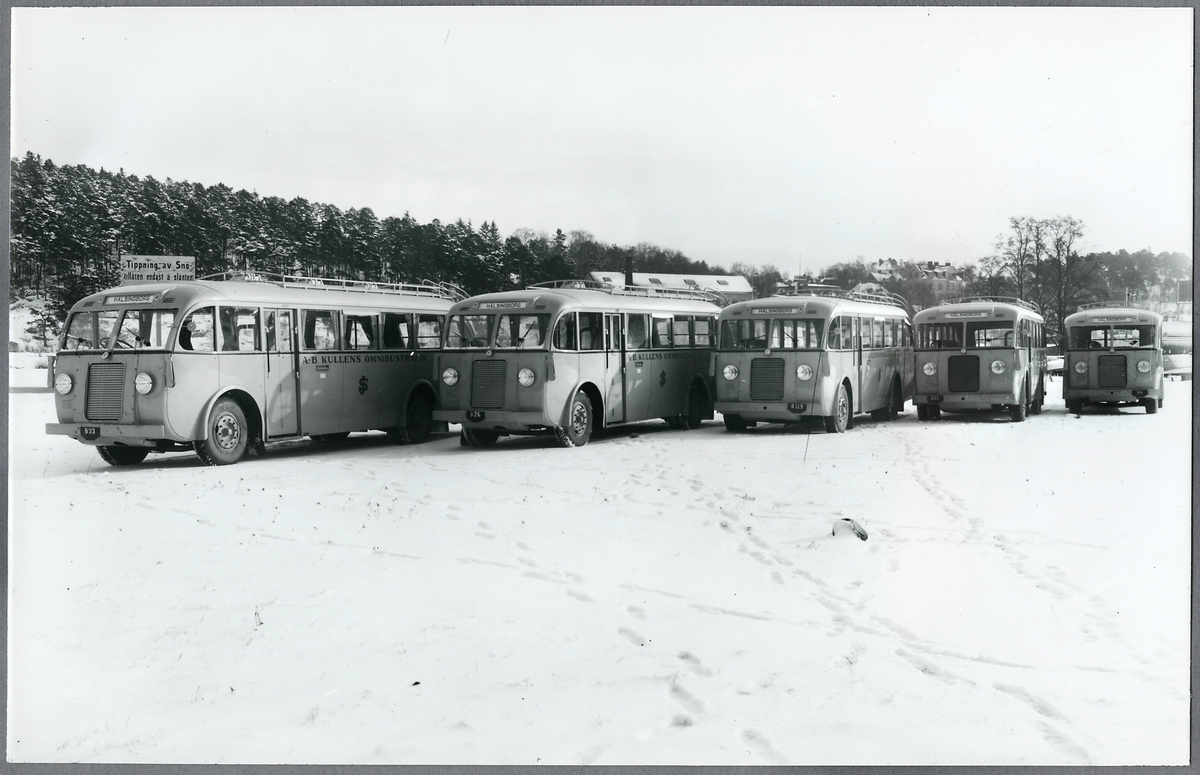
(1069, 277)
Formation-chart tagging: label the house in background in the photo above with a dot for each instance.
(732, 287)
(944, 278)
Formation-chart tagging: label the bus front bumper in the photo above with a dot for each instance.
(98, 434)
(1122, 395)
(964, 402)
(769, 411)
(495, 420)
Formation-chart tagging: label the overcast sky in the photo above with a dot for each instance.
(763, 135)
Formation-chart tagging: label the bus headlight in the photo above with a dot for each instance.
(730, 372)
(1081, 367)
(997, 367)
(930, 368)
(1143, 366)
(63, 383)
(143, 383)
(525, 377)
(450, 376)
(804, 371)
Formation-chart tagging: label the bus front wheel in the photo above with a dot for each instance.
(123, 456)
(735, 423)
(578, 429)
(228, 435)
(1017, 412)
(419, 421)
(840, 421)
(695, 409)
(1151, 405)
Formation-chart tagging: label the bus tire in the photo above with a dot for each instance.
(695, 409)
(419, 422)
(123, 456)
(922, 411)
(476, 438)
(935, 411)
(228, 435)
(1074, 405)
(1151, 405)
(839, 422)
(1016, 412)
(578, 429)
(734, 423)
(1035, 406)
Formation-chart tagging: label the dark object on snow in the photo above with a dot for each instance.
(857, 528)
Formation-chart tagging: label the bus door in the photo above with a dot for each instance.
(362, 375)
(281, 373)
(320, 372)
(614, 368)
(664, 381)
(637, 367)
(856, 371)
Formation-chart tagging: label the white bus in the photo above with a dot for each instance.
(1114, 357)
(572, 356)
(235, 361)
(820, 352)
(980, 353)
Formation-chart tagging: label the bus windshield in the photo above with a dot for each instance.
(136, 329)
(469, 331)
(745, 334)
(521, 332)
(940, 336)
(1105, 337)
(796, 334)
(993, 333)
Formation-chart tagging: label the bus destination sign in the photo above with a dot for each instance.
(503, 304)
(132, 298)
(157, 269)
(980, 314)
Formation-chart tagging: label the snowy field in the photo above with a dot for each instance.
(655, 597)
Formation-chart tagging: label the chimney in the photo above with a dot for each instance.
(629, 270)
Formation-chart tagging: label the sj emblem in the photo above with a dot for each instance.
(662, 378)
(362, 384)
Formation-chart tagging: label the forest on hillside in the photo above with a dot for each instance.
(71, 222)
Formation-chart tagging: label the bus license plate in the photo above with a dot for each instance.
(797, 407)
(475, 416)
(89, 432)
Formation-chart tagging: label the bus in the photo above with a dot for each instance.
(569, 357)
(1114, 357)
(817, 352)
(981, 353)
(231, 362)
(1177, 349)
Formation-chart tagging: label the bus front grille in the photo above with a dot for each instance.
(487, 384)
(1110, 371)
(105, 391)
(766, 379)
(963, 373)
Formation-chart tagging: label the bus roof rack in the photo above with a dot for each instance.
(834, 291)
(1029, 305)
(431, 288)
(1113, 305)
(695, 294)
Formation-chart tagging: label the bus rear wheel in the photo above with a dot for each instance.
(228, 435)
(695, 409)
(476, 438)
(419, 420)
(578, 429)
(123, 456)
(839, 422)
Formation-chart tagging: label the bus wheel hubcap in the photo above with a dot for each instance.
(227, 432)
(579, 419)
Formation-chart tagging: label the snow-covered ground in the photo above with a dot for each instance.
(654, 597)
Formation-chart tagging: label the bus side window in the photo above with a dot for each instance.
(239, 329)
(591, 330)
(681, 333)
(889, 333)
(196, 333)
(877, 334)
(637, 333)
(320, 331)
(395, 331)
(429, 331)
(661, 332)
(360, 332)
(703, 331)
(279, 331)
(835, 335)
(849, 333)
(564, 332)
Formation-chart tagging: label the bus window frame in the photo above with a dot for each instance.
(335, 338)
